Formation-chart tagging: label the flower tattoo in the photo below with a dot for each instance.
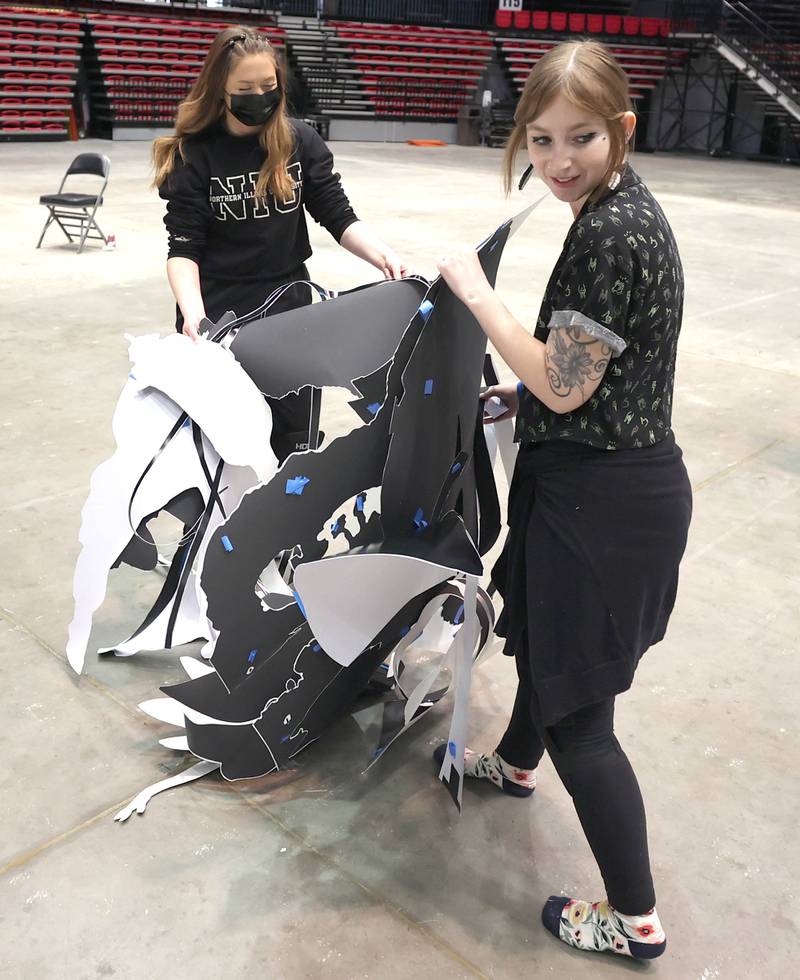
(573, 359)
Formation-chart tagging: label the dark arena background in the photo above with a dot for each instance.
(324, 869)
(719, 78)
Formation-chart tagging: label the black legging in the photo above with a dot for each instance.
(598, 776)
(291, 415)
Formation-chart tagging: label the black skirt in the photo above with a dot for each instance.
(589, 572)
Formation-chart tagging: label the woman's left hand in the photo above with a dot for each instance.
(464, 275)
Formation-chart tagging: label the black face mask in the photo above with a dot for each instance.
(255, 110)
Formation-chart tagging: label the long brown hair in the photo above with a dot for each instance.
(587, 74)
(205, 105)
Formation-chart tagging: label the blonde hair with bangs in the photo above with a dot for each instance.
(590, 77)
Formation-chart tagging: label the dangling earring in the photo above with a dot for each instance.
(526, 176)
(614, 182)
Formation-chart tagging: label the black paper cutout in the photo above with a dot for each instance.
(413, 357)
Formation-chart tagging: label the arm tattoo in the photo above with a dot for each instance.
(573, 360)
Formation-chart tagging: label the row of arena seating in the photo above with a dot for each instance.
(140, 66)
(644, 65)
(39, 59)
(578, 23)
(354, 69)
(143, 66)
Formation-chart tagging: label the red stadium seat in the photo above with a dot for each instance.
(522, 20)
(594, 23)
(650, 26)
(613, 23)
(558, 21)
(577, 22)
(665, 27)
(631, 25)
(540, 20)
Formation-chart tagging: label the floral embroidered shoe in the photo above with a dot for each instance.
(515, 782)
(597, 926)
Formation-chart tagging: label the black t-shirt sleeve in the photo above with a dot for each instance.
(188, 211)
(594, 287)
(324, 197)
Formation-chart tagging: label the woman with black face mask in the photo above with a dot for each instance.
(238, 176)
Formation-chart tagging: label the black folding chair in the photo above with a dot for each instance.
(76, 212)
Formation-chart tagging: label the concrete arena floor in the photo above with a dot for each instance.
(320, 871)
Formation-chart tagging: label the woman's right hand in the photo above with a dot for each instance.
(191, 326)
(508, 395)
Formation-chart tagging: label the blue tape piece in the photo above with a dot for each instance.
(455, 468)
(300, 605)
(451, 748)
(285, 738)
(425, 309)
(316, 648)
(459, 614)
(296, 485)
(335, 529)
(360, 501)
(429, 386)
(187, 422)
(226, 542)
(376, 753)
(419, 520)
(520, 389)
(404, 630)
(251, 657)
(374, 408)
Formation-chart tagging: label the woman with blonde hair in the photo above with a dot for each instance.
(238, 175)
(600, 502)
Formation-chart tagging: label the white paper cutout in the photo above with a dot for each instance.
(139, 803)
(170, 375)
(348, 599)
(465, 654)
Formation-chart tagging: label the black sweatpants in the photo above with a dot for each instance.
(291, 415)
(598, 776)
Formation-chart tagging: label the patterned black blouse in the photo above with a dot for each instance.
(619, 278)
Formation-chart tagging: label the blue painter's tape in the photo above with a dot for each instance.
(429, 386)
(300, 605)
(520, 389)
(376, 753)
(404, 630)
(374, 408)
(251, 657)
(316, 648)
(419, 520)
(360, 501)
(455, 468)
(187, 422)
(459, 614)
(335, 527)
(285, 738)
(296, 485)
(451, 748)
(226, 542)
(426, 308)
